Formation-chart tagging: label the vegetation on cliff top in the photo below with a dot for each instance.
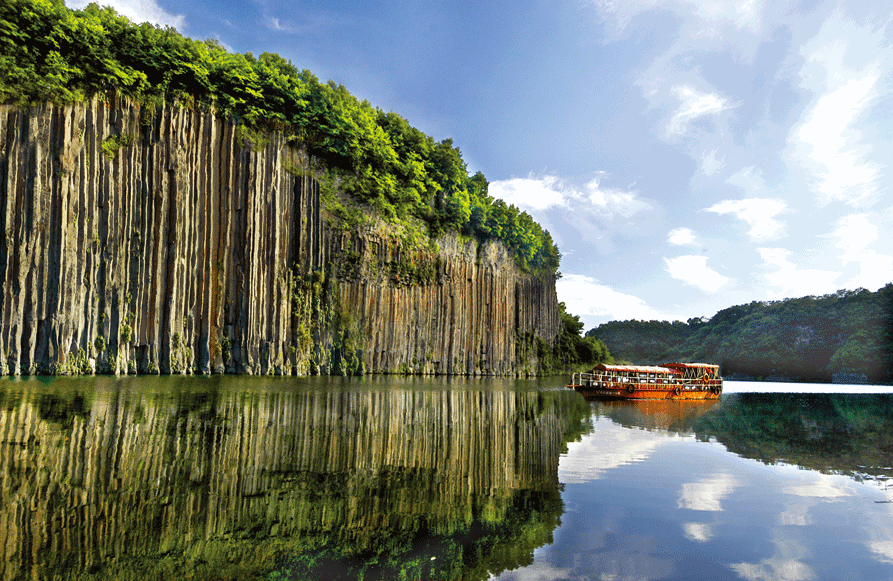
(809, 338)
(51, 53)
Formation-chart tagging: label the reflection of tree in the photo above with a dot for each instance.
(185, 477)
(847, 434)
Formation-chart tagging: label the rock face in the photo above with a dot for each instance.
(168, 241)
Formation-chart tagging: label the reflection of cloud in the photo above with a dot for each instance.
(706, 494)
(693, 270)
(795, 515)
(774, 570)
(823, 487)
(784, 566)
(538, 571)
(606, 448)
(758, 212)
(883, 549)
(697, 531)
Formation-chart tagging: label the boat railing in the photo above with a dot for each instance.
(592, 379)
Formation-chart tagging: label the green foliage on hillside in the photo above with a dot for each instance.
(572, 351)
(51, 53)
(809, 338)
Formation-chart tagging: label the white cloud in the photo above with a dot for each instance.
(533, 193)
(588, 212)
(876, 270)
(138, 11)
(833, 144)
(709, 164)
(693, 270)
(758, 212)
(548, 191)
(693, 104)
(793, 281)
(587, 297)
(681, 237)
(855, 233)
(614, 200)
(707, 18)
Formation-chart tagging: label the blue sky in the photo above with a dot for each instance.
(686, 156)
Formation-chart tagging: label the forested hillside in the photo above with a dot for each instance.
(376, 159)
(809, 338)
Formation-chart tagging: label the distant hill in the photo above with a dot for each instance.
(847, 335)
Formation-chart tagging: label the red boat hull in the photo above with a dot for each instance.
(637, 392)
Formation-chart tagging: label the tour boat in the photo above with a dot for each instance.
(665, 381)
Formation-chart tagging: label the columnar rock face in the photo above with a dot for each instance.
(167, 241)
(129, 479)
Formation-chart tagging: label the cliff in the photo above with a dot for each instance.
(167, 241)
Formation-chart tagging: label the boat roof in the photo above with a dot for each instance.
(690, 365)
(637, 369)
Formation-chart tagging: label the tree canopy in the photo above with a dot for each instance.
(49, 53)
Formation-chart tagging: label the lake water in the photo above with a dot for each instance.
(407, 478)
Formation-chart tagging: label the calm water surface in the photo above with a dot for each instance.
(389, 478)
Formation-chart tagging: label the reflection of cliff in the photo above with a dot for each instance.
(848, 434)
(132, 479)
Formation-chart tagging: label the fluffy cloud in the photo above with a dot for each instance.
(855, 233)
(758, 212)
(614, 200)
(138, 11)
(704, 20)
(793, 281)
(532, 192)
(590, 299)
(842, 68)
(693, 104)
(541, 193)
(832, 142)
(589, 212)
(693, 270)
(681, 237)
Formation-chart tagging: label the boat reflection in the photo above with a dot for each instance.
(667, 415)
